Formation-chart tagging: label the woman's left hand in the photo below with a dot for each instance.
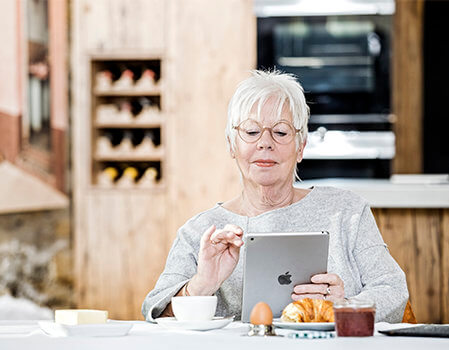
(327, 286)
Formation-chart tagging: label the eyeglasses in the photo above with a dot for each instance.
(251, 131)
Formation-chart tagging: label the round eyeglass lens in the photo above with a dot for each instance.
(282, 132)
(251, 131)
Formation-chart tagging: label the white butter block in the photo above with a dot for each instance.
(74, 317)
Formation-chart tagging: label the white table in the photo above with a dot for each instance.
(151, 336)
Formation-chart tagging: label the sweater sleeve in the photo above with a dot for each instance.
(180, 267)
(383, 281)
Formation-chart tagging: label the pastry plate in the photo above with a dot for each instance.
(215, 323)
(315, 326)
(109, 329)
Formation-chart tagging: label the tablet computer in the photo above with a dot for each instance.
(427, 330)
(275, 262)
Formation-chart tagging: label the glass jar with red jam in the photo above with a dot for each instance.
(354, 318)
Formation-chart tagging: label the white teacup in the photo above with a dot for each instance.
(194, 308)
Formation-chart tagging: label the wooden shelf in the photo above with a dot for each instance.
(129, 93)
(128, 125)
(129, 158)
(159, 186)
(127, 56)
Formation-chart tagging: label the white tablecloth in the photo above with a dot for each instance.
(27, 335)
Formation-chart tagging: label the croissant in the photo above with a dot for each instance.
(308, 310)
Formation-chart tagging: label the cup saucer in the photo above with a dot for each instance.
(215, 323)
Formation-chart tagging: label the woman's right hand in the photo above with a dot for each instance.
(217, 258)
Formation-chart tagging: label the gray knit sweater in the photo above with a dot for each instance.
(357, 252)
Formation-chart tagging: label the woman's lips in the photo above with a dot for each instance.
(265, 163)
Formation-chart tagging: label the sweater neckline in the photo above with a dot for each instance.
(306, 198)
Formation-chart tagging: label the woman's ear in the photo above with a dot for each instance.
(300, 152)
(231, 151)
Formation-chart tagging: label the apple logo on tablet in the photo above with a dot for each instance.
(285, 279)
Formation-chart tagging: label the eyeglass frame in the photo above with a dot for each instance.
(237, 127)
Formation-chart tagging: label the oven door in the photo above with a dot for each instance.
(360, 154)
(342, 62)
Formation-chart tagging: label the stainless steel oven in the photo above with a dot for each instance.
(340, 50)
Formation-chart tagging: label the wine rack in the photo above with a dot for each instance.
(127, 123)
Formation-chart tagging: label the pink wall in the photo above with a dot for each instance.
(10, 94)
(58, 57)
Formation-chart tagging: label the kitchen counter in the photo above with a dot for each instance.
(414, 221)
(382, 193)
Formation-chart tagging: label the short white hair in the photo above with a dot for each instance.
(256, 90)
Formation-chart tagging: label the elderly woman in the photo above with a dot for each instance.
(266, 133)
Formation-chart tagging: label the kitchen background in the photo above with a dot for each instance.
(112, 117)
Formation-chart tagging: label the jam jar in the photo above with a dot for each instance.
(354, 318)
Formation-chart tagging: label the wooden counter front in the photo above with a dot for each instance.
(414, 222)
(419, 241)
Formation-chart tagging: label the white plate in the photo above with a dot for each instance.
(215, 323)
(24, 327)
(109, 329)
(316, 326)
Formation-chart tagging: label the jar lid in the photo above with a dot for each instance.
(354, 303)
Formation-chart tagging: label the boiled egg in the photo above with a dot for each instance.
(261, 314)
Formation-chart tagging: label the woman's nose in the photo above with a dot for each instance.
(266, 140)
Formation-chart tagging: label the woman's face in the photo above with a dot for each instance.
(266, 162)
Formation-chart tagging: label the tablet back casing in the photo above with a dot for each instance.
(275, 262)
